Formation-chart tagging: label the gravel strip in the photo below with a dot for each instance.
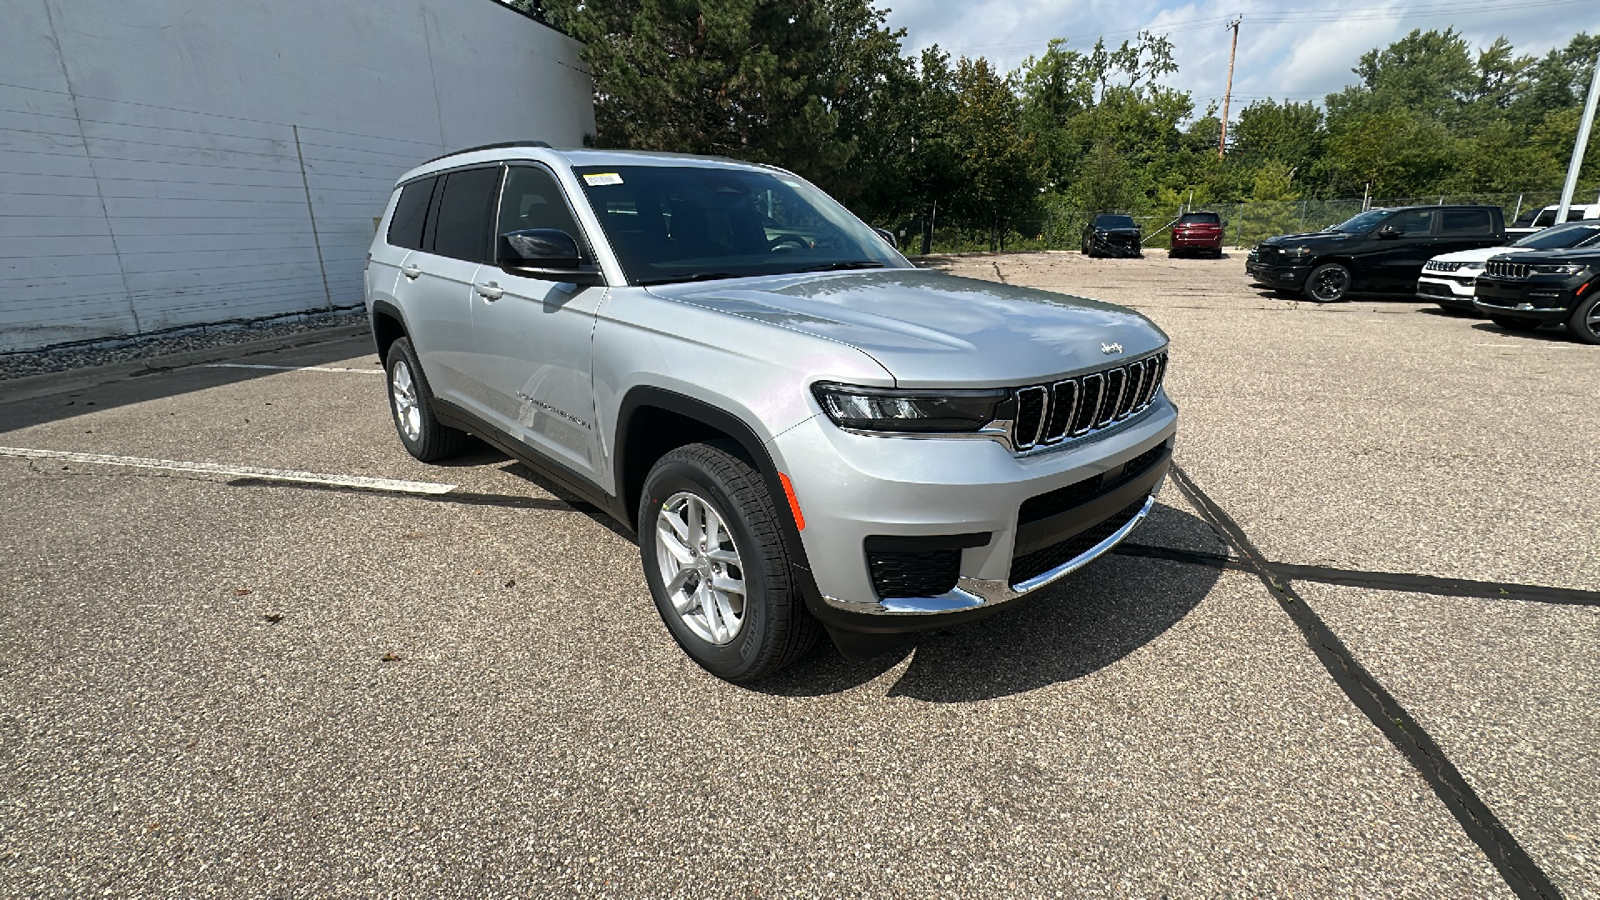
(127, 349)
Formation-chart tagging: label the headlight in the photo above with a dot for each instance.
(1298, 252)
(922, 411)
(1566, 269)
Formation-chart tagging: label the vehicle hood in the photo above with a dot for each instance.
(1320, 237)
(1585, 255)
(1479, 254)
(929, 329)
(1131, 231)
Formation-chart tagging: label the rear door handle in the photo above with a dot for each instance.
(411, 271)
(489, 291)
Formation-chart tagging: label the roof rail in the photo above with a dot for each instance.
(500, 146)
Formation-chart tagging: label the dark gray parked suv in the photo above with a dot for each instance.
(806, 432)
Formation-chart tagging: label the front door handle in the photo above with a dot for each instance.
(412, 272)
(489, 291)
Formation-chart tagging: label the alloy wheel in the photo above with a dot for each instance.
(407, 411)
(700, 567)
(1330, 284)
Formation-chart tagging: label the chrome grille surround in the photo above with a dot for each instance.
(1511, 270)
(1048, 415)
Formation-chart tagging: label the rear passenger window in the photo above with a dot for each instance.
(533, 199)
(405, 227)
(1466, 222)
(461, 226)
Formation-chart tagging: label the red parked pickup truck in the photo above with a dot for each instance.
(1197, 232)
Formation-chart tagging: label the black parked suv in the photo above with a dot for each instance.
(1378, 251)
(1109, 234)
(1520, 292)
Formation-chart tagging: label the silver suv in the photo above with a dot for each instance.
(805, 431)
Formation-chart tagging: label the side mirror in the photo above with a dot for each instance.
(547, 253)
(1388, 232)
(888, 237)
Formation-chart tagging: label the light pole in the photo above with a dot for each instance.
(1579, 146)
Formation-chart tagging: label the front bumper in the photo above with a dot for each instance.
(1124, 246)
(1454, 291)
(859, 491)
(1282, 277)
(1539, 298)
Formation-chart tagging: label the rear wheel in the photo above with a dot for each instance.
(717, 566)
(1584, 323)
(1511, 323)
(1328, 283)
(411, 402)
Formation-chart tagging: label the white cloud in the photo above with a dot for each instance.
(1297, 60)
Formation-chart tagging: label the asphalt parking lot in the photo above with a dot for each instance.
(1356, 651)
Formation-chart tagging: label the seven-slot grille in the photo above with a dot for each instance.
(1051, 413)
(1506, 269)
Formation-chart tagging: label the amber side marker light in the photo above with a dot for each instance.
(794, 502)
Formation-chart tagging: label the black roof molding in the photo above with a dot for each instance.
(503, 145)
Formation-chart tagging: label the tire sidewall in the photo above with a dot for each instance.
(732, 660)
(1576, 320)
(399, 352)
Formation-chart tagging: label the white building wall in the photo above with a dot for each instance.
(166, 163)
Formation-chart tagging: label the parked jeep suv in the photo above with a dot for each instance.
(806, 432)
(1380, 250)
(1449, 279)
(1523, 291)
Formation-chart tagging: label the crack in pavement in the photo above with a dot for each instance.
(1482, 827)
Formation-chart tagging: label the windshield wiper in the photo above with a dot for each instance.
(693, 276)
(847, 264)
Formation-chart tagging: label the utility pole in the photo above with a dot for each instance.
(1227, 95)
(1579, 146)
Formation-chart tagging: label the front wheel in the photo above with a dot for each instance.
(1328, 283)
(1512, 323)
(1584, 322)
(411, 402)
(717, 566)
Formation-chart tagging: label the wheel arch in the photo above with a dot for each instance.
(388, 325)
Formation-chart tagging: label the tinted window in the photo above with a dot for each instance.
(461, 227)
(405, 227)
(1200, 219)
(532, 199)
(1463, 222)
(1413, 223)
(1546, 217)
(677, 223)
(1575, 214)
(1359, 224)
(1114, 222)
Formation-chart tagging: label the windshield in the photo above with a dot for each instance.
(696, 223)
(1363, 223)
(1114, 222)
(1200, 219)
(1571, 234)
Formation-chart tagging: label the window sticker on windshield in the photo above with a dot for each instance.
(601, 179)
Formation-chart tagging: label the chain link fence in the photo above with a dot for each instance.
(1244, 224)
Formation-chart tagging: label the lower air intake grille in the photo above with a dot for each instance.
(913, 573)
(1041, 561)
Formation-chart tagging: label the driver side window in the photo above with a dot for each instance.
(533, 199)
(1415, 223)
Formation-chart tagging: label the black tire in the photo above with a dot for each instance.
(1584, 322)
(775, 627)
(1328, 283)
(421, 433)
(1512, 323)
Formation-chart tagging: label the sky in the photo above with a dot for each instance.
(1295, 50)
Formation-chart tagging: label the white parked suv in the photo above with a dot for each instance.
(805, 431)
(1449, 279)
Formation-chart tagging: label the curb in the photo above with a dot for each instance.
(34, 386)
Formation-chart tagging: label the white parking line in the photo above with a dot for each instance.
(172, 465)
(294, 368)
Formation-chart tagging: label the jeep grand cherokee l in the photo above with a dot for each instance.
(1449, 280)
(805, 432)
(1380, 250)
(1520, 292)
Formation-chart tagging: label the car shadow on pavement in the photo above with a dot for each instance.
(1546, 335)
(1082, 624)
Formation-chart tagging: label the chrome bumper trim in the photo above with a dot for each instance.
(973, 593)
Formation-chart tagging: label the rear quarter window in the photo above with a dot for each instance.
(1466, 223)
(405, 226)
